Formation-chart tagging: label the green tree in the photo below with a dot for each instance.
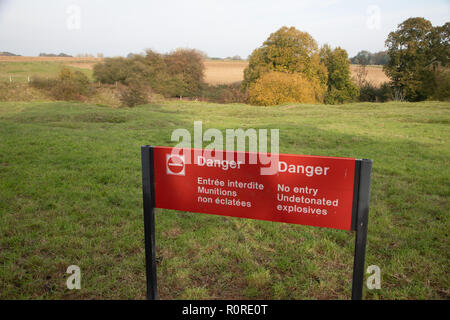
(340, 88)
(133, 94)
(415, 50)
(186, 68)
(71, 85)
(288, 50)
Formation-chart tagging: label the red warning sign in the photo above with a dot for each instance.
(307, 190)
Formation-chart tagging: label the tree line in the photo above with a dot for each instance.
(289, 67)
(365, 57)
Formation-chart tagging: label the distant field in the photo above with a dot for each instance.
(224, 72)
(216, 71)
(80, 62)
(375, 74)
(86, 63)
(20, 71)
(59, 59)
(70, 193)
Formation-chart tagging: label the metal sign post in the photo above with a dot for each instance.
(362, 217)
(357, 212)
(148, 189)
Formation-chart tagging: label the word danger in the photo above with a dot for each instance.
(309, 171)
(215, 163)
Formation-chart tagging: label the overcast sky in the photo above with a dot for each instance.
(219, 28)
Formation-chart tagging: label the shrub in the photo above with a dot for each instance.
(339, 96)
(71, 85)
(106, 95)
(112, 70)
(371, 93)
(65, 90)
(78, 79)
(13, 91)
(224, 93)
(42, 83)
(274, 88)
(133, 94)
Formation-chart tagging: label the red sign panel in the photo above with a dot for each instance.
(307, 190)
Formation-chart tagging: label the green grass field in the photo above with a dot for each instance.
(20, 71)
(70, 193)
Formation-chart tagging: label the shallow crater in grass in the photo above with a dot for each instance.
(70, 118)
(100, 117)
(440, 120)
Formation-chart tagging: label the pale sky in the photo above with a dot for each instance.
(219, 28)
